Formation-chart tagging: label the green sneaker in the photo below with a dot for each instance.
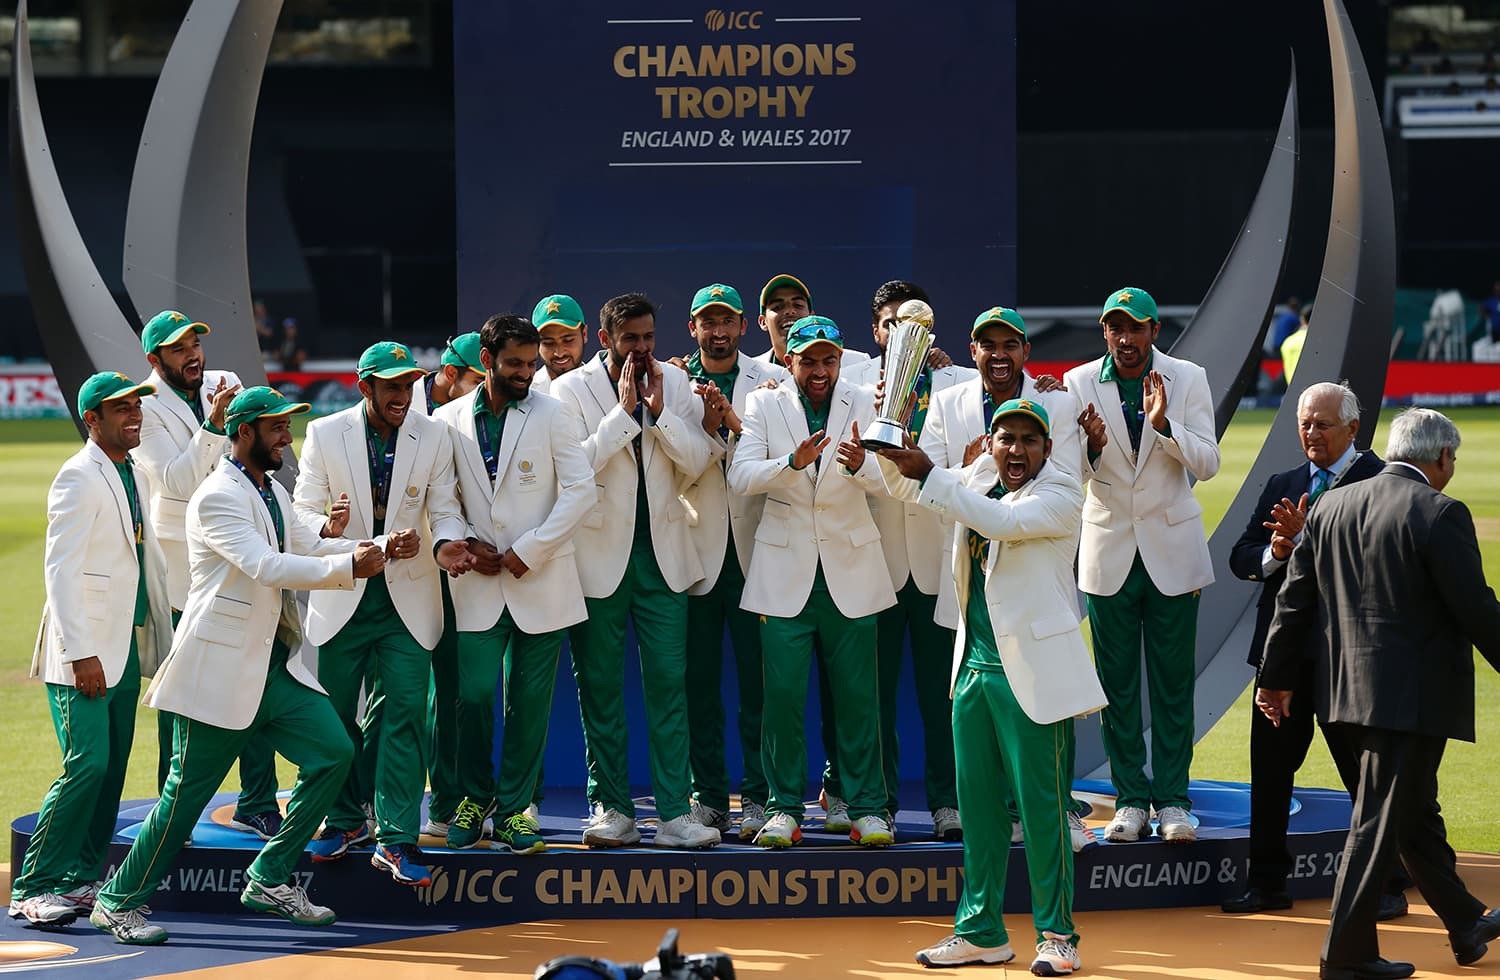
(519, 833)
(467, 826)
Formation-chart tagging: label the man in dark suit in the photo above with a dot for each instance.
(1327, 423)
(1389, 570)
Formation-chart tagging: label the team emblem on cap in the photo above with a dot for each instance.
(554, 306)
(1026, 404)
(176, 317)
(399, 353)
(716, 291)
(1125, 298)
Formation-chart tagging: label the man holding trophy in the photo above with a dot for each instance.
(815, 518)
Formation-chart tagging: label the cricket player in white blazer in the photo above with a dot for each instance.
(105, 624)
(234, 670)
(1021, 672)
(914, 540)
(1148, 425)
(784, 300)
(816, 574)
(182, 440)
(526, 484)
(642, 428)
(723, 530)
(382, 464)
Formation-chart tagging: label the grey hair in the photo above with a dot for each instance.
(1348, 400)
(1419, 435)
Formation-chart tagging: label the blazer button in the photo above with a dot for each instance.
(268, 641)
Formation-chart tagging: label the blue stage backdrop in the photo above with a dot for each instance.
(659, 145)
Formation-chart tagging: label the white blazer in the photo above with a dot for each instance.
(1145, 503)
(914, 538)
(541, 382)
(956, 419)
(241, 583)
(713, 512)
(675, 449)
(91, 572)
(423, 495)
(177, 453)
(818, 513)
(1028, 587)
(544, 488)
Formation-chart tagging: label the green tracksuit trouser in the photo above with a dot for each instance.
(787, 654)
(528, 663)
(660, 616)
(301, 725)
(78, 814)
(932, 664)
(442, 718)
(376, 650)
(1169, 626)
(257, 762)
(998, 747)
(708, 615)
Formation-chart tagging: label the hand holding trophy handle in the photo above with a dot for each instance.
(906, 349)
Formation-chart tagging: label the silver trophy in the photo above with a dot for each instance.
(906, 349)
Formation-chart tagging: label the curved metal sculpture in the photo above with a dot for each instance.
(185, 240)
(81, 326)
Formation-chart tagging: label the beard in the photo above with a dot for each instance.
(262, 457)
(177, 379)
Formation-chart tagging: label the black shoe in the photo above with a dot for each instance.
(1472, 945)
(1372, 970)
(1257, 900)
(1392, 906)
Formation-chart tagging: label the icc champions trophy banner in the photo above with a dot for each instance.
(658, 145)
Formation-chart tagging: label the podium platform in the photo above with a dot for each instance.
(826, 875)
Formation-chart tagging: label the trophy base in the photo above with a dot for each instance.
(884, 434)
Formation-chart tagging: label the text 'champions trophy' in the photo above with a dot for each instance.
(906, 349)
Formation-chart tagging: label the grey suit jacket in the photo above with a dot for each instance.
(1390, 572)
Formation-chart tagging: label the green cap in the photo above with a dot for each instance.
(463, 352)
(998, 315)
(783, 280)
(387, 359)
(1134, 303)
(167, 327)
(107, 386)
(558, 308)
(812, 330)
(259, 402)
(716, 294)
(1022, 406)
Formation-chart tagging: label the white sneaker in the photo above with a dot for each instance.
(946, 824)
(781, 830)
(83, 896)
(611, 828)
(752, 819)
(15, 909)
(710, 816)
(1081, 835)
(534, 812)
(1055, 957)
(1174, 824)
(958, 951)
(435, 828)
(288, 901)
(129, 926)
(1017, 832)
(837, 819)
(872, 831)
(1128, 825)
(48, 909)
(687, 833)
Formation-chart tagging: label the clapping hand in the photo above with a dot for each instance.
(980, 446)
(218, 406)
(850, 452)
(809, 449)
(402, 544)
(454, 557)
(369, 560)
(1093, 428)
(1154, 401)
(626, 388)
(651, 387)
(1287, 521)
(338, 518)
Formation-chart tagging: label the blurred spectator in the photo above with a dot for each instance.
(1285, 324)
(265, 334)
(1291, 348)
(1426, 44)
(1445, 65)
(1403, 67)
(292, 355)
(1491, 310)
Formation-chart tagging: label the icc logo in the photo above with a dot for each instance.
(434, 893)
(732, 20)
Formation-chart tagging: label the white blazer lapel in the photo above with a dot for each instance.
(512, 434)
(407, 447)
(117, 490)
(256, 504)
(167, 398)
(973, 412)
(357, 457)
(795, 419)
(463, 423)
(1106, 401)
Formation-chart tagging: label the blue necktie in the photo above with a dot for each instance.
(1322, 480)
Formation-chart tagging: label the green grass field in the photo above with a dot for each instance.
(30, 453)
